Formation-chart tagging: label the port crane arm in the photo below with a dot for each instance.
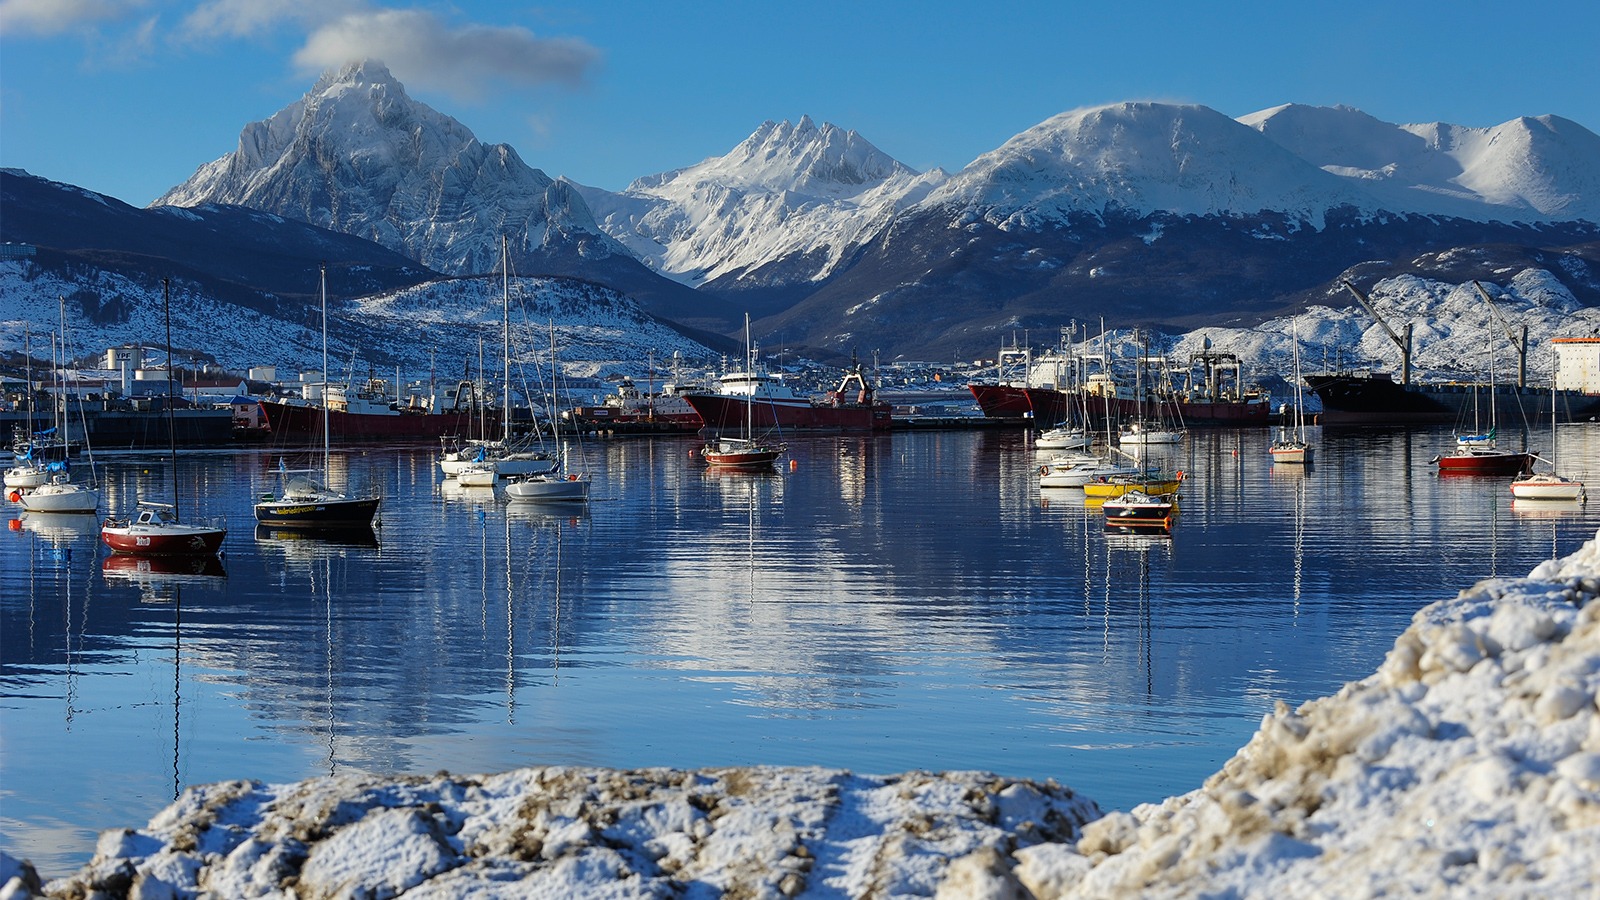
(1403, 343)
(1521, 343)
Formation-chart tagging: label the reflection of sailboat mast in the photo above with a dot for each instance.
(555, 629)
(1144, 617)
(511, 640)
(1299, 540)
(177, 673)
(327, 622)
(66, 616)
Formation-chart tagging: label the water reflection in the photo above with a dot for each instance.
(888, 603)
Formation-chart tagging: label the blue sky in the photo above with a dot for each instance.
(129, 97)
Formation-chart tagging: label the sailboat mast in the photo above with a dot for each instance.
(505, 337)
(172, 430)
(323, 286)
(1299, 403)
(555, 403)
(750, 367)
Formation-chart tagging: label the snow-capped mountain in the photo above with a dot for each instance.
(1527, 169)
(794, 192)
(356, 154)
(1164, 215)
(1143, 158)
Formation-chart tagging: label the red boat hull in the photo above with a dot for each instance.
(1002, 401)
(1485, 464)
(302, 423)
(724, 412)
(145, 543)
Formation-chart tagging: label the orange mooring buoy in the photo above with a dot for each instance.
(794, 465)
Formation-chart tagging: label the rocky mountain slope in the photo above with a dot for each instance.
(357, 154)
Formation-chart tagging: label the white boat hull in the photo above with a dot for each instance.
(1077, 474)
(26, 476)
(478, 475)
(1291, 453)
(1546, 487)
(549, 487)
(61, 498)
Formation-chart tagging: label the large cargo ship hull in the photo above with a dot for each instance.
(293, 422)
(1001, 401)
(1376, 399)
(1047, 407)
(726, 413)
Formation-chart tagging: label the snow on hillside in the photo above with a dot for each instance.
(1143, 158)
(1453, 330)
(1467, 765)
(434, 326)
(1527, 169)
(786, 191)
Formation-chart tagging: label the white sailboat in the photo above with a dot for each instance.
(1147, 432)
(1549, 485)
(28, 470)
(560, 483)
(304, 500)
(479, 458)
(1287, 448)
(59, 493)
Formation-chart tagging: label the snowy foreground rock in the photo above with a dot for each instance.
(1467, 765)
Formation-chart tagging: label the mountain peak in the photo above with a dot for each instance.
(356, 154)
(360, 71)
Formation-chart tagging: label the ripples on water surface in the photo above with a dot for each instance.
(891, 603)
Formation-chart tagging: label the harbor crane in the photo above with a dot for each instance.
(1521, 343)
(1403, 343)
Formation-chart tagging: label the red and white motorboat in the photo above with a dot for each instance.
(156, 531)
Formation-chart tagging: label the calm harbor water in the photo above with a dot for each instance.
(889, 603)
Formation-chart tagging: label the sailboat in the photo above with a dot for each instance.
(1294, 449)
(559, 483)
(60, 494)
(29, 469)
(304, 499)
(746, 452)
(1548, 485)
(158, 530)
(1477, 453)
(497, 459)
(1142, 431)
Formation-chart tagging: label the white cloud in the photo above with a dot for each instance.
(242, 18)
(57, 16)
(423, 53)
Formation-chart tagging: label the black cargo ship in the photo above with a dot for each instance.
(1375, 398)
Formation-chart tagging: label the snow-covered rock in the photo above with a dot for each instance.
(1467, 765)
